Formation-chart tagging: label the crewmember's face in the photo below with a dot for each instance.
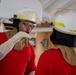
(26, 26)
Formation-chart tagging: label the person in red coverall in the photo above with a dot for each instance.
(16, 53)
(60, 59)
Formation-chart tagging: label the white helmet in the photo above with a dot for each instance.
(65, 21)
(28, 15)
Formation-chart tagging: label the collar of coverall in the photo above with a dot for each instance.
(69, 54)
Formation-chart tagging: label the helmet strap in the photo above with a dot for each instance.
(63, 39)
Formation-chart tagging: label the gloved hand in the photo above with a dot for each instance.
(6, 47)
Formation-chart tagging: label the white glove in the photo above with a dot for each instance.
(6, 47)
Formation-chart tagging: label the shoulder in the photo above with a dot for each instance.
(2, 33)
(51, 54)
(49, 58)
(3, 37)
(30, 50)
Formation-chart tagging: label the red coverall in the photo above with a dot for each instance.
(52, 62)
(16, 62)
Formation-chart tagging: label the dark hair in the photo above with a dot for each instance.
(16, 23)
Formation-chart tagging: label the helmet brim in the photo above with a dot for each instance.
(11, 19)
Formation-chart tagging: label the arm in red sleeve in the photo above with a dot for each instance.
(31, 64)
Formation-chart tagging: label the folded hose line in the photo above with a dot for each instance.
(6, 47)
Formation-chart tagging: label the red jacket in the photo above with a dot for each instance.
(16, 62)
(52, 62)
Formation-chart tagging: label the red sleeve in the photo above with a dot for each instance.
(31, 65)
(3, 37)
